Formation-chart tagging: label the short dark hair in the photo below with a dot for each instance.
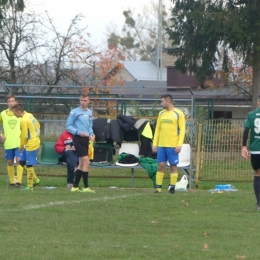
(84, 94)
(18, 107)
(167, 96)
(10, 96)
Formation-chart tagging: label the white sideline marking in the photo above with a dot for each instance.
(57, 203)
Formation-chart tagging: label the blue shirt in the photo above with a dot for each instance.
(80, 121)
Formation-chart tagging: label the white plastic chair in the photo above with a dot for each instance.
(184, 156)
(130, 148)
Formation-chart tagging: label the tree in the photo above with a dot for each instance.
(5, 5)
(139, 33)
(202, 28)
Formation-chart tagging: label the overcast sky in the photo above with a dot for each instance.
(98, 13)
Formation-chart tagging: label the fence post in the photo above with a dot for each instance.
(198, 156)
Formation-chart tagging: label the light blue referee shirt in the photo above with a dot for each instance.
(80, 121)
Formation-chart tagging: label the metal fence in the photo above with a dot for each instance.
(220, 157)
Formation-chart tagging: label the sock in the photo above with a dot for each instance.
(173, 178)
(85, 179)
(19, 173)
(78, 174)
(30, 174)
(257, 188)
(159, 180)
(10, 171)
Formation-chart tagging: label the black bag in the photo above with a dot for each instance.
(103, 154)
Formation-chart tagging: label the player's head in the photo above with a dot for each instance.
(84, 100)
(11, 100)
(18, 110)
(258, 100)
(166, 101)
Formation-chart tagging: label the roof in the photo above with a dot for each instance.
(143, 70)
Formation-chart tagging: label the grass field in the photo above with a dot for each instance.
(124, 223)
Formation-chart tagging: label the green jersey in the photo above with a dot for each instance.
(253, 122)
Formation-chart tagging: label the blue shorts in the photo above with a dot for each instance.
(30, 157)
(165, 154)
(11, 153)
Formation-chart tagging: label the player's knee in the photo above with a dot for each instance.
(29, 166)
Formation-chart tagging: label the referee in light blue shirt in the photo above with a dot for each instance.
(79, 124)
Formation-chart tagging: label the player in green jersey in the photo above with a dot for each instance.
(252, 124)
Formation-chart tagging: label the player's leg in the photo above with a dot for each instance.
(9, 156)
(161, 159)
(72, 163)
(19, 168)
(173, 159)
(255, 162)
(31, 160)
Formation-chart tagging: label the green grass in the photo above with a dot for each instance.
(126, 223)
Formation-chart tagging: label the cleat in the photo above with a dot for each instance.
(158, 192)
(18, 185)
(75, 189)
(12, 185)
(69, 185)
(257, 207)
(28, 188)
(88, 189)
(171, 189)
(36, 182)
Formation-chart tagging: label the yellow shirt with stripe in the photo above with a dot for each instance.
(11, 126)
(30, 132)
(170, 128)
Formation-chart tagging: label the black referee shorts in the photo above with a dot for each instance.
(81, 145)
(255, 161)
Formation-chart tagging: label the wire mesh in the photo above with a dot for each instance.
(221, 158)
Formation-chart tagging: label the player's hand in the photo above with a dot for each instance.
(92, 138)
(245, 153)
(154, 149)
(177, 149)
(67, 147)
(73, 148)
(3, 138)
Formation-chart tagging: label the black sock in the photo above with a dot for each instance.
(78, 174)
(257, 188)
(85, 179)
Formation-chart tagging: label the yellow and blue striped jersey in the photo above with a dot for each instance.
(170, 128)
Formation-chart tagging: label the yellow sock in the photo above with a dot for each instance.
(159, 180)
(173, 178)
(30, 174)
(10, 171)
(19, 173)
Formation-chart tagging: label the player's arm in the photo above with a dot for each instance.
(24, 134)
(182, 129)
(70, 124)
(156, 134)
(244, 151)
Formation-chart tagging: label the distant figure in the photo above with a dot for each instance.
(168, 139)
(29, 143)
(79, 124)
(65, 147)
(252, 124)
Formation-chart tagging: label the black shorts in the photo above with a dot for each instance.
(255, 161)
(81, 145)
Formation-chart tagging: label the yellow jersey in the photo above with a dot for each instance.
(170, 128)
(11, 126)
(30, 132)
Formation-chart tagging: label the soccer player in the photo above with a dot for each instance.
(252, 124)
(11, 140)
(168, 140)
(29, 143)
(79, 124)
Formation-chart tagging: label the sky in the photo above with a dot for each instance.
(98, 13)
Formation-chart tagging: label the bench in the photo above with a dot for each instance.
(49, 157)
